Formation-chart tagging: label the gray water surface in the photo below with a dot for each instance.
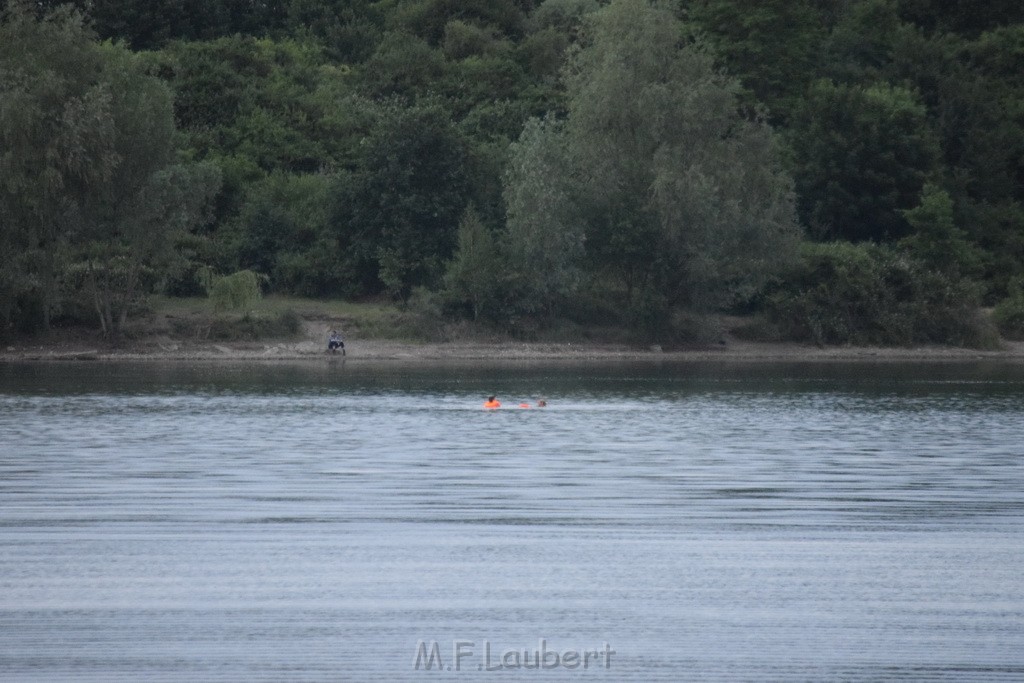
(686, 521)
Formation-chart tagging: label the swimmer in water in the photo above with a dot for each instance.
(492, 402)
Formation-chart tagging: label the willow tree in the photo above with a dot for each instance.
(55, 143)
(545, 242)
(683, 202)
(91, 191)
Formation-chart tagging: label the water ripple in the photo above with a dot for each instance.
(297, 524)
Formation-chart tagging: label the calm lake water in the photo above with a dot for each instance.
(332, 522)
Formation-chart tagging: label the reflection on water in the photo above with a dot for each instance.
(316, 522)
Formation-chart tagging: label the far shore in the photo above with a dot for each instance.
(386, 350)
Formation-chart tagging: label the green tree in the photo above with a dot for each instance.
(128, 246)
(132, 221)
(91, 186)
(862, 45)
(281, 233)
(149, 24)
(56, 145)
(474, 276)
(843, 293)
(772, 46)
(403, 65)
(258, 108)
(545, 235)
(966, 17)
(349, 30)
(428, 18)
(237, 292)
(684, 202)
(861, 156)
(565, 16)
(260, 99)
(935, 240)
(396, 215)
(972, 92)
(982, 120)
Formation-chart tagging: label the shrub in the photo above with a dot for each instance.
(1008, 314)
(842, 293)
(236, 292)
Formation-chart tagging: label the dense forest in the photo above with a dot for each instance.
(852, 171)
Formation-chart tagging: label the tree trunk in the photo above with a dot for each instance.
(108, 317)
(99, 310)
(49, 287)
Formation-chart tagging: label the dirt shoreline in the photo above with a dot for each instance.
(385, 350)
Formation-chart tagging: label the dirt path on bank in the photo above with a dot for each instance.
(164, 349)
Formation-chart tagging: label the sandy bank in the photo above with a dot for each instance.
(385, 350)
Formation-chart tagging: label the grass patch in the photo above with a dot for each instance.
(283, 317)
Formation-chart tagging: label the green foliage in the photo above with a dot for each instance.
(260, 99)
(543, 53)
(771, 45)
(422, 317)
(985, 133)
(396, 216)
(56, 144)
(545, 235)
(1008, 314)
(842, 293)
(935, 240)
(966, 17)
(471, 277)
(428, 18)
(1002, 241)
(281, 233)
(348, 30)
(147, 24)
(403, 65)
(89, 176)
(462, 40)
(861, 155)
(237, 292)
(862, 44)
(640, 193)
(564, 16)
(691, 207)
(479, 80)
(251, 327)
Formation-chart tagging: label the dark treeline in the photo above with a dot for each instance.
(852, 170)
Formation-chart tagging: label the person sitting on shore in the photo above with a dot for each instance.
(335, 342)
(492, 402)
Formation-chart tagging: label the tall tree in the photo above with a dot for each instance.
(396, 215)
(545, 234)
(473, 277)
(90, 185)
(684, 202)
(130, 222)
(56, 144)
